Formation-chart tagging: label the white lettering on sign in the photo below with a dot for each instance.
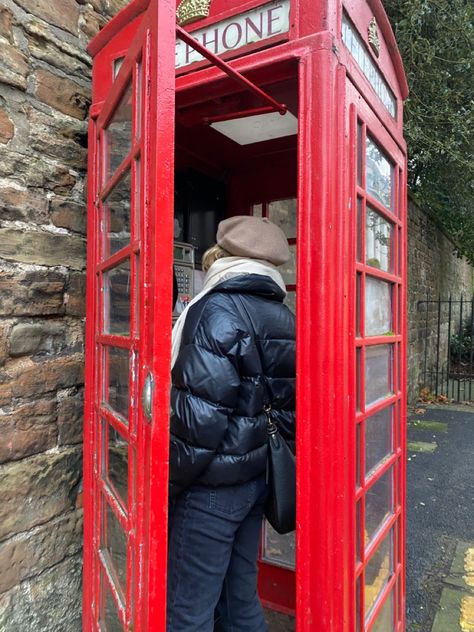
(256, 25)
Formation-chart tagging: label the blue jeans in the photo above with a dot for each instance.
(214, 536)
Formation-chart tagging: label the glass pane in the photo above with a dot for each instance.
(138, 101)
(117, 448)
(257, 210)
(378, 241)
(358, 380)
(358, 304)
(278, 549)
(378, 374)
(117, 216)
(110, 621)
(116, 392)
(360, 228)
(288, 270)
(378, 504)
(358, 531)
(384, 622)
(378, 307)
(378, 572)
(358, 609)
(290, 301)
(117, 300)
(114, 543)
(358, 455)
(117, 64)
(119, 132)
(283, 214)
(379, 174)
(378, 438)
(359, 154)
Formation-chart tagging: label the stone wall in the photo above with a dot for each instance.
(44, 99)
(433, 270)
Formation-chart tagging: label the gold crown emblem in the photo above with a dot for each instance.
(192, 10)
(374, 36)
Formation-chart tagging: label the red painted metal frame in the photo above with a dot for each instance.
(327, 268)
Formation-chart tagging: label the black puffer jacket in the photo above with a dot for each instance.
(218, 427)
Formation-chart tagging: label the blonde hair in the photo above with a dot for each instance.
(212, 254)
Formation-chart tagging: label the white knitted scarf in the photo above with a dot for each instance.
(222, 270)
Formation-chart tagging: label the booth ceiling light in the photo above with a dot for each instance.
(255, 129)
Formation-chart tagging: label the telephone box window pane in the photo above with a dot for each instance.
(283, 214)
(117, 454)
(379, 174)
(378, 572)
(378, 439)
(257, 210)
(384, 622)
(119, 132)
(378, 307)
(117, 216)
(360, 210)
(288, 269)
(138, 103)
(116, 385)
(110, 621)
(378, 374)
(378, 241)
(278, 549)
(117, 300)
(290, 301)
(378, 505)
(359, 154)
(114, 543)
(358, 531)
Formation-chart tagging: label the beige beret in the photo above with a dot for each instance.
(254, 237)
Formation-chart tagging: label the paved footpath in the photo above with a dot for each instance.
(440, 520)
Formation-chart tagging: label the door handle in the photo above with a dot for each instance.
(147, 397)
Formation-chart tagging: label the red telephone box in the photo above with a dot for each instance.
(292, 109)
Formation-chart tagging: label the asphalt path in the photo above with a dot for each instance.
(440, 511)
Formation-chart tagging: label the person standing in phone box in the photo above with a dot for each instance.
(221, 373)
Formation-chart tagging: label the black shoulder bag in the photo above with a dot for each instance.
(280, 507)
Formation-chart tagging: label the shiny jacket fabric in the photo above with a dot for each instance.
(223, 376)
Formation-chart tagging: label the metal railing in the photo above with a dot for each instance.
(449, 347)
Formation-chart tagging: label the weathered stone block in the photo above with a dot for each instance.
(70, 417)
(62, 94)
(48, 603)
(75, 297)
(42, 248)
(69, 214)
(30, 379)
(14, 67)
(58, 136)
(47, 46)
(30, 553)
(19, 204)
(29, 430)
(7, 129)
(30, 293)
(62, 13)
(48, 336)
(37, 489)
(5, 327)
(91, 22)
(6, 24)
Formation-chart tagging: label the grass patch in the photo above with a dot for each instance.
(430, 426)
(421, 446)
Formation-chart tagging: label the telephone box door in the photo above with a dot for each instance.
(127, 380)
